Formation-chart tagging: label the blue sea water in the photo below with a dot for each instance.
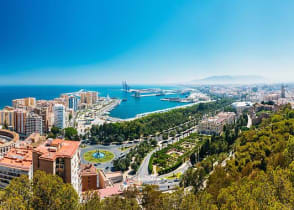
(127, 109)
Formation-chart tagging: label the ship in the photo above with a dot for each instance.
(125, 86)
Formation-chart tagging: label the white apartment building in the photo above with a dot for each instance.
(59, 116)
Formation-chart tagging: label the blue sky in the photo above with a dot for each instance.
(144, 41)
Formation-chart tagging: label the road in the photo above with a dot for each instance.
(184, 167)
(249, 124)
(142, 172)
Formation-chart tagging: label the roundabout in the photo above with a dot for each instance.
(98, 156)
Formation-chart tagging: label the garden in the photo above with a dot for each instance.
(174, 155)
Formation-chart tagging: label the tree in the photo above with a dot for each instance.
(289, 152)
(71, 134)
(18, 194)
(134, 166)
(70, 117)
(45, 191)
(54, 132)
(150, 196)
(193, 159)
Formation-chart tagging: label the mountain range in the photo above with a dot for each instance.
(228, 79)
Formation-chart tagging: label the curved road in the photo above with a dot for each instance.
(142, 172)
(249, 124)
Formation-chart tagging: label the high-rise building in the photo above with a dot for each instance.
(73, 103)
(65, 98)
(89, 97)
(33, 124)
(17, 103)
(24, 102)
(84, 98)
(20, 116)
(7, 118)
(94, 95)
(59, 116)
(44, 113)
(59, 157)
(30, 102)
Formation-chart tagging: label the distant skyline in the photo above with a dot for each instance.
(144, 42)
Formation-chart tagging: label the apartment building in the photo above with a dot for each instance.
(215, 125)
(59, 116)
(24, 102)
(59, 157)
(20, 116)
(89, 177)
(89, 97)
(17, 162)
(7, 118)
(33, 124)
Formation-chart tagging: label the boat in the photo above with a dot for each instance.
(124, 100)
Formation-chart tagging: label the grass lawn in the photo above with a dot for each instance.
(174, 176)
(108, 156)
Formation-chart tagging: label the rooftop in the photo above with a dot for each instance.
(88, 170)
(52, 149)
(110, 191)
(110, 175)
(18, 158)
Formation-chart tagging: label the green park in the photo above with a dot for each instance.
(98, 156)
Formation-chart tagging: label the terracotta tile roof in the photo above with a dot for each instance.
(52, 149)
(88, 170)
(110, 191)
(18, 158)
(113, 174)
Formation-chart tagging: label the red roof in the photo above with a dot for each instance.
(88, 170)
(110, 191)
(51, 150)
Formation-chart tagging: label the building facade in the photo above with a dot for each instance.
(89, 177)
(7, 118)
(59, 116)
(89, 97)
(215, 125)
(59, 157)
(33, 124)
(17, 162)
(44, 113)
(20, 116)
(73, 103)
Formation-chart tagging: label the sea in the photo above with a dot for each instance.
(127, 109)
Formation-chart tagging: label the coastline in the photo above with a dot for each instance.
(164, 110)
